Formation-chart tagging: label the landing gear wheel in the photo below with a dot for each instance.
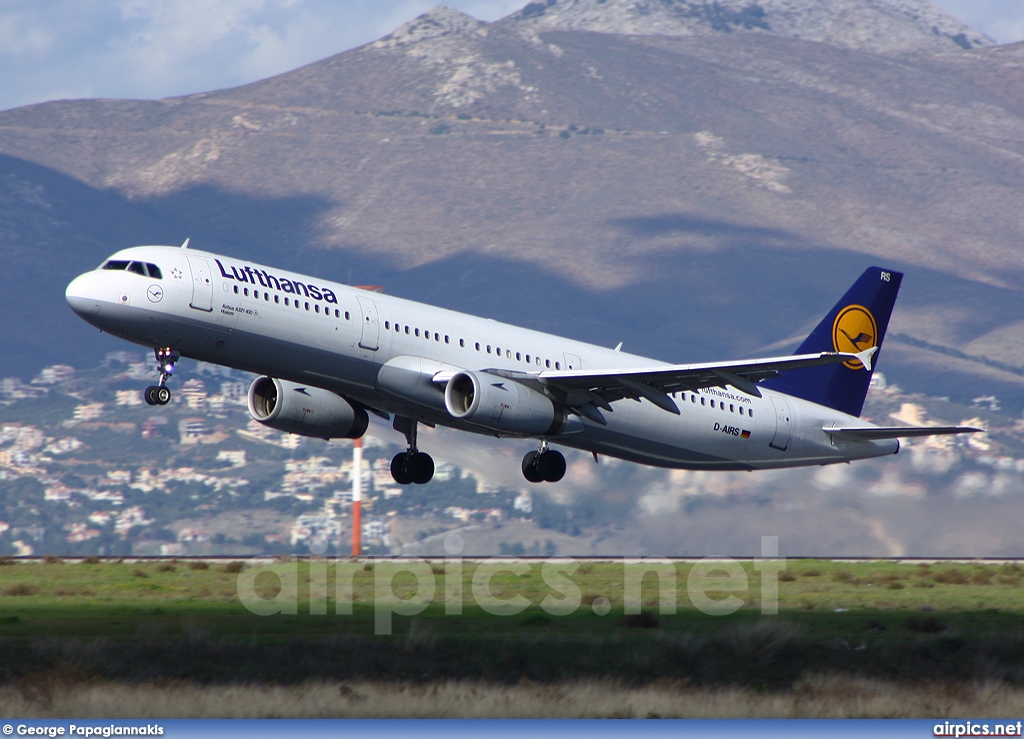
(398, 469)
(420, 467)
(165, 359)
(530, 471)
(551, 465)
(544, 466)
(412, 467)
(157, 395)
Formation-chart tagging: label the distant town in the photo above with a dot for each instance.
(87, 468)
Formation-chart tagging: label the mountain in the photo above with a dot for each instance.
(874, 25)
(699, 180)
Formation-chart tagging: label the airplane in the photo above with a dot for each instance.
(329, 355)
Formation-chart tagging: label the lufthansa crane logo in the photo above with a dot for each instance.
(854, 331)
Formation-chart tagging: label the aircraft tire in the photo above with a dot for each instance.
(162, 395)
(420, 468)
(150, 395)
(398, 469)
(530, 471)
(550, 465)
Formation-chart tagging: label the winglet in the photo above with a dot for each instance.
(865, 357)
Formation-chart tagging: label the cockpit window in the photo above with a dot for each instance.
(146, 269)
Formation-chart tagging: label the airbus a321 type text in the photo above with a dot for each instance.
(328, 355)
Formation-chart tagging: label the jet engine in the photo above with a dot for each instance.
(502, 405)
(304, 410)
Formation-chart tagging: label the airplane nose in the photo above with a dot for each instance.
(83, 296)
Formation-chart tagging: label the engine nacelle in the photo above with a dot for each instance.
(503, 405)
(304, 410)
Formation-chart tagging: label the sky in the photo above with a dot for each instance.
(61, 49)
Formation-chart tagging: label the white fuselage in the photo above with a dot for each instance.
(337, 337)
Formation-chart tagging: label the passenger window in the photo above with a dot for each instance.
(307, 306)
(712, 402)
(547, 363)
(346, 315)
(387, 325)
(316, 308)
(417, 332)
(508, 354)
(519, 357)
(751, 413)
(137, 268)
(236, 291)
(266, 297)
(558, 365)
(477, 344)
(741, 410)
(488, 348)
(437, 336)
(497, 350)
(446, 339)
(703, 400)
(116, 264)
(406, 330)
(732, 408)
(337, 313)
(245, 291)
(693, 398)
(256, 294)
(286, 302)
(277, 299)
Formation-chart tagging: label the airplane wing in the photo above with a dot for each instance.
(587, 391)
(871, 433)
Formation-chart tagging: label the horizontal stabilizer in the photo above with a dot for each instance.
(874, 433)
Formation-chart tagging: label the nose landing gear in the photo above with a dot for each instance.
(411, 466)
(544, 465)
(160, 394)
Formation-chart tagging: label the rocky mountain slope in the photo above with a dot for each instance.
(700, 180)
(874, 25)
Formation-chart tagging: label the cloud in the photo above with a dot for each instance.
(1003, 20)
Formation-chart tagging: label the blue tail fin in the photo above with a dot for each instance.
(856, 323)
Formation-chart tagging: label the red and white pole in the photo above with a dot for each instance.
(357, 497)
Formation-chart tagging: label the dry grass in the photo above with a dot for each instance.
(814, 697)
(20, 588)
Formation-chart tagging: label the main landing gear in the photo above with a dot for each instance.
(544, 465)
(412, 465)
(161, 394)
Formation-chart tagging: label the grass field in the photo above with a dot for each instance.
(168, 638)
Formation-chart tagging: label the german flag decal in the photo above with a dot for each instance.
(744, 434)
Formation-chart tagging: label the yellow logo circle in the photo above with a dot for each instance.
(854, 331)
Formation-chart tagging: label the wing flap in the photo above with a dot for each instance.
(586, 391)
(743, 375)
